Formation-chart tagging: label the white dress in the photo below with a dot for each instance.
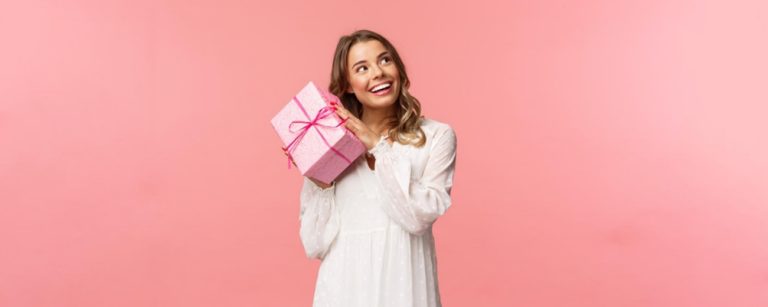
(372, 229)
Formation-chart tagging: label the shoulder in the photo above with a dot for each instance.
(437, 131)
(433, 127)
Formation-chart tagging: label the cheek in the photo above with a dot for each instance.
(358, 84)
(392, 71)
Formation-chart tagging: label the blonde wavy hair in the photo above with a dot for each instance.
(405, 125)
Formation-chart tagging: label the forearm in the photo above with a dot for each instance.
(319, 219)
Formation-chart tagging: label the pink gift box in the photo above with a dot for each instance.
(317, 140)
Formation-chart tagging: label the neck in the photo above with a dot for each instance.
(377, 119)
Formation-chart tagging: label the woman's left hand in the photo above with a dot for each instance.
(354, 124)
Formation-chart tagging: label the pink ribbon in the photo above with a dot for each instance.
(324, 112)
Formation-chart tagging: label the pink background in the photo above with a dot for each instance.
(610, 154)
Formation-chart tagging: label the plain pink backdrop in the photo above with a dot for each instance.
(611, 153)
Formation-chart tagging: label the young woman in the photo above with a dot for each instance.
(372, 227)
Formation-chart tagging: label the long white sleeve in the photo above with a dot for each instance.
(415, 203)
(319, 218)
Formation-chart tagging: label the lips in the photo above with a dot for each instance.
(384, 92)
(377, 85)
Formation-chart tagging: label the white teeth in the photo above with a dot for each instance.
(380, 87)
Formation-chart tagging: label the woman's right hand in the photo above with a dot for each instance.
(317, 182)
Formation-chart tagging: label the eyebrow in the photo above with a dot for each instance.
(363, 61)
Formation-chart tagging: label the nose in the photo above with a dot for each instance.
(377, 71)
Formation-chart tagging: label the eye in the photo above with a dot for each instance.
(359, 67)
(387, 59)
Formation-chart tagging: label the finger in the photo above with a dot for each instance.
(285, 152)
(351, 126)
(336, 106)
(343, 110)
(356, 121)
(351, 116)
(343, 114)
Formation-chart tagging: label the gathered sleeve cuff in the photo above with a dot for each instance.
(319, 219)
(415, 203)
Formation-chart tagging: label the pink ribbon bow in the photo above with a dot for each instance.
(324, 112)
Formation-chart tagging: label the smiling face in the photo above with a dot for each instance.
(372, 74)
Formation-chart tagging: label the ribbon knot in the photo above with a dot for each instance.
(324, 112)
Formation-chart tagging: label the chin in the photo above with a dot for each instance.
(381, 103)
